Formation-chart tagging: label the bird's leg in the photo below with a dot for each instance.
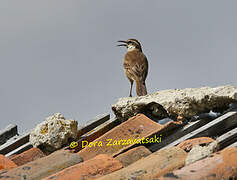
(130, 95)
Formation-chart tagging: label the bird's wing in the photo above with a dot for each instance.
(140, 68)
(136, 65)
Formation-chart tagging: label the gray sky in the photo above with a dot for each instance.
(61, 56)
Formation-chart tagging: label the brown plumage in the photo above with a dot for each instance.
(136, 66)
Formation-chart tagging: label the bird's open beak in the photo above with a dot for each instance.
(122, 44)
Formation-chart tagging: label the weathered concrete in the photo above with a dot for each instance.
(199, 152)
(186, 102)
(190, 143)
(53, 133)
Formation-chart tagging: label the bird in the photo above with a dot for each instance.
(135, 66)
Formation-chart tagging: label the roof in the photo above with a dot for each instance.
(138, 148)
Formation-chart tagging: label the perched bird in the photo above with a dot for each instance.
(135, 65)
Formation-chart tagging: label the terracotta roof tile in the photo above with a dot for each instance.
(221, 165)
(133, 155)
(136, 127)
(95, 133)
(156, 164)
(95, 167)
(43, 167)
(27, 156)
(6, 163)
(137, 161)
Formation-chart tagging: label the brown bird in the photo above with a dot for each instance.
(135, 65)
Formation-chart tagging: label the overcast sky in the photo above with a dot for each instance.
(61, 56)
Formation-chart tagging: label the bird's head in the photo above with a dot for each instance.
(131, 44)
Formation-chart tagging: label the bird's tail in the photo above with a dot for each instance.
(141, 88)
